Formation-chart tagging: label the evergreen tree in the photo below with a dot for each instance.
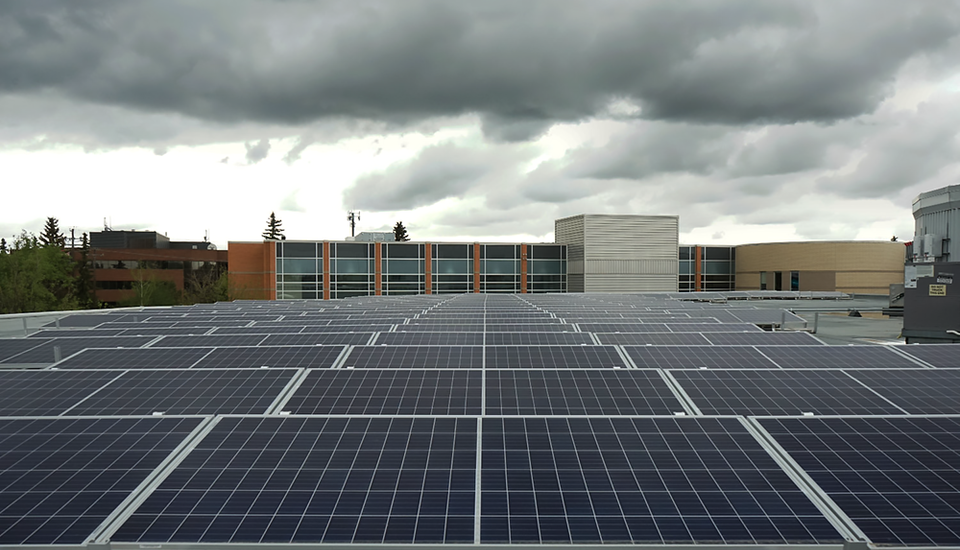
(51, 235)
(3, 246)
(273, 232)
(86, 295)
(400, 233)
(36, 278)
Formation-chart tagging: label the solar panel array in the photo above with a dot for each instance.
(473, 419)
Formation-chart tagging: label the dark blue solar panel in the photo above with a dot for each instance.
(697, 357)
(415, 357)
(896, 478)
(388, 391)
(429, 339)
(9, 349)
(653, 338)
(313, 480)
(762, 339)
(274, 357)
(928, 391)
(537, 338)
(938, 355)
(851, 357)
(47, 392)
(647, 480)
(578, 392)
(326, 338)
(210, 341)
(221, 391)
(780, 392)
(136, 358)
(46, 353)
(553, 357)
(61, 478)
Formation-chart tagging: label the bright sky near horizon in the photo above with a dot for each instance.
(753, 121)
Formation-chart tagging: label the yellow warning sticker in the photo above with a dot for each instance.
(938, 290)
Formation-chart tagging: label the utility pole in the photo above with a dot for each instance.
(352, 217)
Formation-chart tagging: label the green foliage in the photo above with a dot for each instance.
(36, 278)
(51, 235)
(151, 291)
(206, 286)
(400, 233)
(273, 232)
(85, 290)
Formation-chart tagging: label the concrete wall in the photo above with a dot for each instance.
(862, 267)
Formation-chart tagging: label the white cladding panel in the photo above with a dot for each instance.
(569, 231)
(629, 283)
(631, 237)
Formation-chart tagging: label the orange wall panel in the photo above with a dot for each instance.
(476, 267)
(428, 268)
(252, 268)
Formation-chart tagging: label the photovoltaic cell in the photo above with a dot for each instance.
(63, 333)
(313, 480)
(929, 391)
(393, 391)
(327, 338)
(415, 357)
(574, 392)
(430, 339)
(850, 357)
(274, 357)
(536, 338)
(137, 358)
(45, 392)
(61, 478)
(623, 327)
(780, 392)
(763, 339)
(713, 327)
(896, 478)
(629, 480)
(938, 355)
(698, 357)
(182, 392)
(553, 357)
(13, 347)
(172, 331)
(653, 338)
(211, 341)
(45, 352)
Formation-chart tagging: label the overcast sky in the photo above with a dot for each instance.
(752, 120)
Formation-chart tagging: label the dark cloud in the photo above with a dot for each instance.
(438, 172)
(257, 151)
(522, 66)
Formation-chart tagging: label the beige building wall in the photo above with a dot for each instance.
(861, 267)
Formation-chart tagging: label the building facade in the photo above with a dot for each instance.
(707, 268)
(297, 270)
(620, 253)
(122, 259)
(860, 267)
(936, 217)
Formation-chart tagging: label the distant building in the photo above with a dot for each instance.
(860, 267)
(937, 226)
(296, 270)
(620, 252)
(710, 268)
(375, 237)
(122, 258)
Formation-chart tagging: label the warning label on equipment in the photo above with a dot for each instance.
(938, 290)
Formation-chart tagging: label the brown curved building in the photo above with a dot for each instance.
(861, 267)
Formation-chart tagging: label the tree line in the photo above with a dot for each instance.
(274, 230)
(39, 273)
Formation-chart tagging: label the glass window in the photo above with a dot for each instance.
(350, 266)
(296, 265)
(403, 250)
(544, 266)
(501, 266)
(685, 253)
(500, 251)
(795, 280)
(402, 266)
(298, 250)
(763, 280)
(716, 268)
(545, 252)
(717, 253)
(453, 251)
(686, 267)
(453, 266)
(351, 250)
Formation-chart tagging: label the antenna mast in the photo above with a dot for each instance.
(352, 217)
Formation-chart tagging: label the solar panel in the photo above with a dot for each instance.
(713, 327)
(13, 347)
(172, 392)
(83, 320)
(274, 357)
(430, 339)
(573, 392)
(211, 341)
(136, 358)
(896, 478)
(850, 357)
(162, 331)
(258, 330)
(780, 392)
(623, 327)
(389, 391)
(536, 338)
(653, 338)
(62, 477)
(89, 333)
(45, 352)
(327, 338)
(489, 327)
(698, 357)
(553, 357)
(929, 391)
(638, 480)
(763, 339)
(766, 316)
(938, 355)
(311, 480)
(45, 392)
(415, 357)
